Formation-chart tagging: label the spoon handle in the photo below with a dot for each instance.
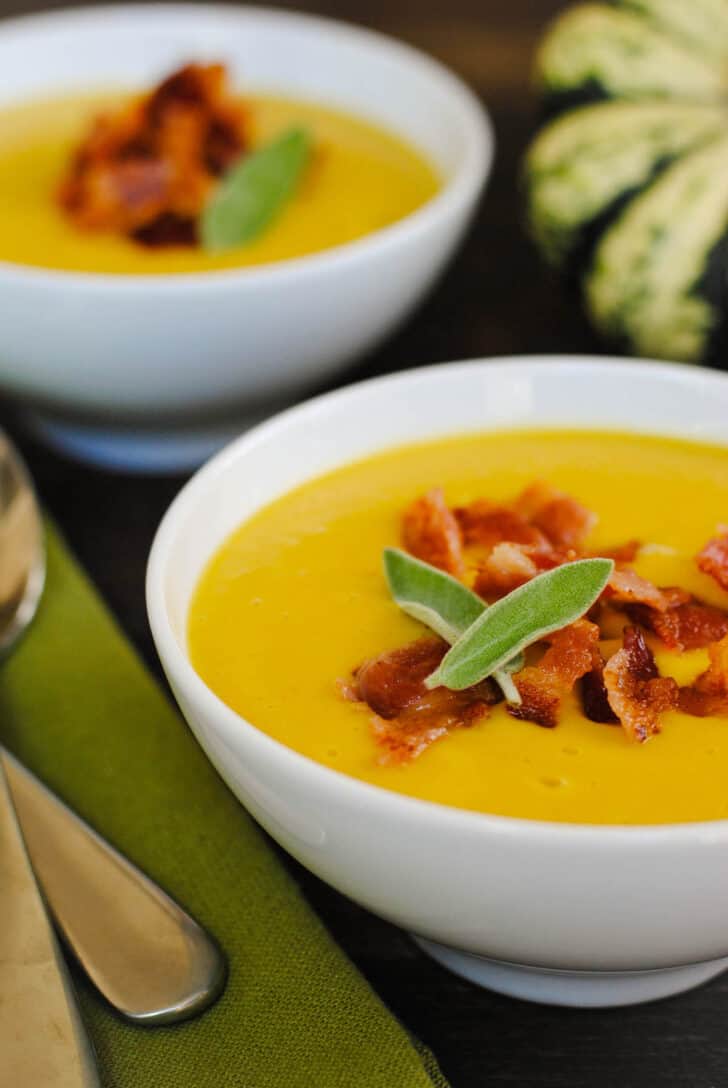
(147, 957)
(42, 1040)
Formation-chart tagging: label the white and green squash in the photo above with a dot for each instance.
(627, 183)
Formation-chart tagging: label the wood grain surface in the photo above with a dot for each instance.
(495, 299)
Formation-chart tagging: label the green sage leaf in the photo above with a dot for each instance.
(443, 604)
(253, 191)
(430, 595)
(547, 603)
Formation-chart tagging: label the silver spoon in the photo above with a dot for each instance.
(146, 955)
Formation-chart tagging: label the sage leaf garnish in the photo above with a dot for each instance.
(547, 603)
(443, 604)
(253, 191)
(430, 595)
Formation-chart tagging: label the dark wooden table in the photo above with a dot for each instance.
(496, 299)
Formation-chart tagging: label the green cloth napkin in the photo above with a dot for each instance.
(79, 708)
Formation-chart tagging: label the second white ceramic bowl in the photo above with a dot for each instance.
(571, 914)
(150, 370)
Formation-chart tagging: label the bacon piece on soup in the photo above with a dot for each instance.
(168, 230)
(408, 735)
(565, 521)
(625, 586)
(409, 718)
(594, 698)
(709, 693)
(486, 525)
(540, 530)
(200, 92)
(569, 657)
(430, 532)
(637, 693)
(534, 498)
(621, 553)
(687, 626)
(394, 681)
(507, 567)
(674, 596)
(146, 170)
(516, 551)
(713, 559)
(541, 517)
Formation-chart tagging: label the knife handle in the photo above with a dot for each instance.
(151, 961)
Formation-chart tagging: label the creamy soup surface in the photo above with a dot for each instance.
(361, 178)
(296, 598)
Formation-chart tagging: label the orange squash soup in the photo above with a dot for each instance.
(620, 718)
(359, 178)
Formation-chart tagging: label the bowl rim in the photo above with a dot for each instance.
(176, 661)
(457, 191)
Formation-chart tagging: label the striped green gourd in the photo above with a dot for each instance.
(627, 182)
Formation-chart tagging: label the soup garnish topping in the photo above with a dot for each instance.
(709, 693)
(495, 580)
(528, 614)
(409, 718)
(713, 559)
(443, 604)
(635, 690)
(253, 191)
(175, 167)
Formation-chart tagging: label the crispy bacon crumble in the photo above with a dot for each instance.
(485, 524)
(565, 521)
(627, 587)
(637, 693)
(430, 531)
(708, 695)
(569, 657)
(408, 717)
(594, 694)
(622, 553)
(146, 170)
(713, 559)
(507, 567)
(496, 547)
(690, 625)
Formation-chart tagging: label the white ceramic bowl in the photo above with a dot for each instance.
(563, 913)
(156, 370)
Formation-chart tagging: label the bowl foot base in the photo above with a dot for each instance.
(154, 449)
(577, 989)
